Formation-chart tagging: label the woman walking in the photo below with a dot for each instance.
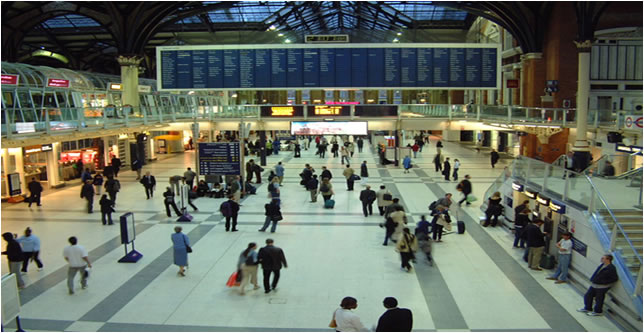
(168, 200)
(181, 247)
(345, 320)
(248, 265)
(107, 207)
(406, 245)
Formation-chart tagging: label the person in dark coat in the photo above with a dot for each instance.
(15, 257)
(367, 197)
(335, 147)
(106, 209)
(116, 165)
(494, 209)
(465, 186)
(86, 175)
(601, 281)
(272, 259)
(108, 171)
(536, 244)
(35, 189)
(249, 170)
(149, 182)
(87, 192)
(258, 173)
(437, 162)
(360, 145)
(273, 213)
(98, 183)
(326, 173)
(494, 157)
(446, 168)
(364, 173)
(297, 150)
(230, 210)
(168, 201)
(112, 186)
(521, 221)
(395, 319)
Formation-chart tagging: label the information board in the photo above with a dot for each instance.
(456, 66)
(219, 158)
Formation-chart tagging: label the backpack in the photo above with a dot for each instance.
(249, 260)
(433, 205)
(324, 188)
(225, 209)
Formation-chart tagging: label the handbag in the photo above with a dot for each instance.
(355, 177)
(278, 217)
(188, 248)
(333, 323)
(232, 279)
(387, 197)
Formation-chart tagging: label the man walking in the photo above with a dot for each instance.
(446, 168)
(536, 244)
(326, 173)
(367, 197)
(348, 174)
(565, 247)
(230, 210)
(494, 157)
(384, 199)
(87, 192)
(149, 182)
(116, 165)
(15, 257)
(272, 259)
(465, 186)
(364, 173)
(112, 186)
(604, 277)
(312, 186)
(360, 144)
(395, 319)
(77, 257)
(189, 176)
(279, 172)
(35, 189)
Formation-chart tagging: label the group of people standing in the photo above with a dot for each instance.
(394, 319)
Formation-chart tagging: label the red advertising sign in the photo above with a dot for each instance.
(512, 84)
(10, 79)
(58, 83)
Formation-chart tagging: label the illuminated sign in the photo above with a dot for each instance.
(10, 79)
(47, 147)
(33, 150)
(145, 89)
(26, 127)
(628, 149)
(326, 38)
(341, 103)
(115, 86)
(557, 207)
(323, 110)
(542, 200)
(530, 194)
(517, 187)
(282, 111)
(58, 83)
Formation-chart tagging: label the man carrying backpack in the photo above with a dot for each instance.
(229, 209)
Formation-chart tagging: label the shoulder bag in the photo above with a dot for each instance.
(333, 323)
(188, 248)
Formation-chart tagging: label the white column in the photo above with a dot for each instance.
(53, 170)
(130, 79)
(583, 89)
(106, 150)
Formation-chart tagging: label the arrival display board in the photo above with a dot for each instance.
(254, 67)
(219, 158)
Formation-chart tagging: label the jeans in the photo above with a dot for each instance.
(267, 275)
(71, 273)
(367, 207)
(517, 236)
(437, 231)
(388, 234)
(598, 294)
(345, 157)
(113, 196)
(525, 254)
(455, 174)
(234, 218)
(381, 210)
(29, 255)
(561, 273)
(350, 182)
(414, 154)
(109, 217)
(267, 222)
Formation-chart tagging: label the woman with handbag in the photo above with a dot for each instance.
(248, 265)
(344, 320)
(107, 208)
(181, 247)
(406, 246)
(273, 213)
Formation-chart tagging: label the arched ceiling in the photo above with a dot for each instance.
(91, 34)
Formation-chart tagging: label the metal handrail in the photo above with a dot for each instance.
(629, 173)
(601, 198)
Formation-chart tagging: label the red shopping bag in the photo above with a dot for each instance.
(232, 280)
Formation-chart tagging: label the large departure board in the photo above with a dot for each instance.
(403, 66)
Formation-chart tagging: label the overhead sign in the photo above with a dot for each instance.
(326, 38)
(10, 79)
(376, 111)
(632, 122)
(543, 200)
(557, 207)
(530, 194)
(282, 111)
(517, 187)
(145, 89)
(219, 158)
(115, 86)
(330, 110)
(346, 66)
(57, 83)
(624, 148)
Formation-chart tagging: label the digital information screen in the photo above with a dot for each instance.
(219, 158)
(283, 111)
(128, 234)
(328, 127)
(304, 66)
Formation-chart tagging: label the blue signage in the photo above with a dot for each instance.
(557, 206)
(259, 67)
(219, 158)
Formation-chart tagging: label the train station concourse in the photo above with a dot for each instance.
(319, 166)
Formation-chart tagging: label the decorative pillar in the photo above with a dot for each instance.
(53, 168)
(130, 80)
(533, 79)
(581, 148)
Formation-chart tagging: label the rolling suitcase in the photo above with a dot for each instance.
(461, 227)
(547, 261)
(329, 203)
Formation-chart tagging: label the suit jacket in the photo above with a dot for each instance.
(395, 320)
(272, 257)
(148, 181)
(367, 196)
(34, 187)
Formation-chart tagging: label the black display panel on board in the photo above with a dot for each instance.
(376, 111)
(258, 67)
(219, 158)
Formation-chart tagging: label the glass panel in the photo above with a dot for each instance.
(579, 189)
(555, 182)
(537, 172)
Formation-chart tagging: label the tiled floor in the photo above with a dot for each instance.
(477, 283)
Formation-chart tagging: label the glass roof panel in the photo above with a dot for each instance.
(424, 11)
(71, 21)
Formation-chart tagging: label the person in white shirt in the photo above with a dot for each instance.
(457, 165)
(565, 252)
(77, 257)
(345, 319)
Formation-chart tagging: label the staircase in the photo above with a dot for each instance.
(631, 222)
